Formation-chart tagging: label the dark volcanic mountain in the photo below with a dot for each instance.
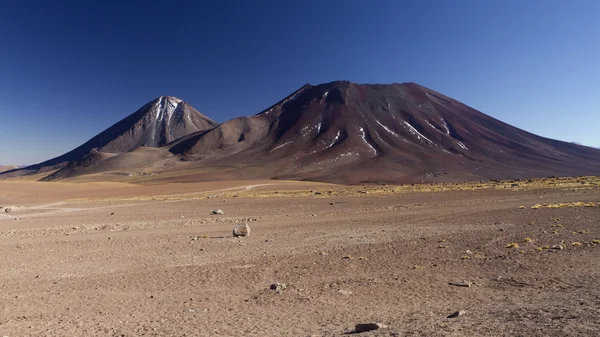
(157, 123)
(346, 132)
(335, 132)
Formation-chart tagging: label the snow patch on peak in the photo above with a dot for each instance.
(174, 99)
(164, 110)
(159, 106)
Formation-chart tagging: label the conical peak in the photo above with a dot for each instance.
(164, 99)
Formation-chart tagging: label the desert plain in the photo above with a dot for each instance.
(515, 258)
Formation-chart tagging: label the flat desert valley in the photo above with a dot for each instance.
(514, 258)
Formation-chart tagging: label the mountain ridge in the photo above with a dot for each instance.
(344, 132)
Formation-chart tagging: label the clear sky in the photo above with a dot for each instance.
(70, 69)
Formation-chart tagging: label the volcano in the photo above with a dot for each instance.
(348, 133)
(157, 123)
(338, 132)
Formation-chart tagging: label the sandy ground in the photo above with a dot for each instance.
(124, 260)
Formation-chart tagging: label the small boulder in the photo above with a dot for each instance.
(456, 314)
(8, 210)
(278, 286)
(241, 229)
(364, 327)
(217, 212)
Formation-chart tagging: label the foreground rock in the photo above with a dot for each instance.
(241, 229)
(9, 209)
(218, 211)
(278, 286)
(456, 314)
(364, 327)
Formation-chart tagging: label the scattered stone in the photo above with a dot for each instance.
(241, 229)
(456, 314)
(217, 211)
(345, 292)
(461, 284)
(364, 327)
(332, 203)
(8, 210)
(278, 286)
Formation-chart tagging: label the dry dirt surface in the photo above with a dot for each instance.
(516, 258)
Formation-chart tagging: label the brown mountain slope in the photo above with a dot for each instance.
(346, 132)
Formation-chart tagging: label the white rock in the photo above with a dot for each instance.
(241, 229)
(218, 211)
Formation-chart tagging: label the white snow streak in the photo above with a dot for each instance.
(349, 154)
(416, 132)
(387, 129)
(433, 127)
(305, 130)
(337, 137)
(364, 138)
(158, 107)
(445, 126)
(462, 145)
(282, 145)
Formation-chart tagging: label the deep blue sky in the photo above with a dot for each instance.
(68, 70)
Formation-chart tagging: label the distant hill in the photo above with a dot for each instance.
(4, 168)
